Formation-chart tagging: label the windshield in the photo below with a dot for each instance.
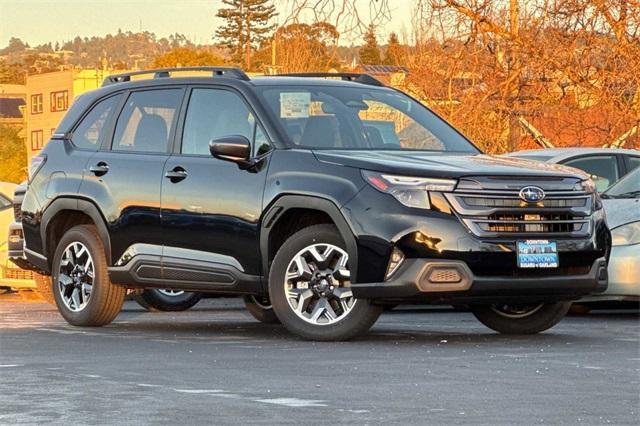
(335, 117)
(627, 187)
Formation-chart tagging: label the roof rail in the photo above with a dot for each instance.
(230, 72)
(346, 76)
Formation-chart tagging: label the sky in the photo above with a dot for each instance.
(42, 21)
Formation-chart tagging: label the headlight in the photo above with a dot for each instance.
(626, 235)
(410, 191)
(589, 186)
(586, 185)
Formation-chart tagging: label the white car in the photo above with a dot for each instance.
(10, 275)
(622, 206)
(605, 165)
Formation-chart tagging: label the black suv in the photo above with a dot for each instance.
(320, 198)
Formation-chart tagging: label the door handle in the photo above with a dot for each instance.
(99, 169)
(176, 175)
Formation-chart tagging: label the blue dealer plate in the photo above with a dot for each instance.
(537, 254)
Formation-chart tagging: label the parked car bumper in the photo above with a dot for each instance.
(15, 241)
(624, 275)
(13, 273)
(452, 281)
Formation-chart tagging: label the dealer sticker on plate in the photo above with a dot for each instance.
(537, 254)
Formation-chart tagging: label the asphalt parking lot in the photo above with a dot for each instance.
(216, 365)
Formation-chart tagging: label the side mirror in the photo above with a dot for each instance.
(234, 148)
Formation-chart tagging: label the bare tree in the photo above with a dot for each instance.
(349, 17)
(509, 71)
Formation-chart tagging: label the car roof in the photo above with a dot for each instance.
(307, 81)
(559, 154)
(253, 81)
(83, 101)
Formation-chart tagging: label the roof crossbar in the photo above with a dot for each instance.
(230, 72)
(346, 76)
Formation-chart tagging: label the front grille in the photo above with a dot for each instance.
(511, 202)
(524, 223)
(491, 207)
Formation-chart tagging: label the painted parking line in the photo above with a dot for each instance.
(294, 402)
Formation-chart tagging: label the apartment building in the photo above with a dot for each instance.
(49, 96)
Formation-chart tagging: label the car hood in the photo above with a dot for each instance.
(431, 164)
(621, 211)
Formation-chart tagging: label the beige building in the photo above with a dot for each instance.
(49, 96)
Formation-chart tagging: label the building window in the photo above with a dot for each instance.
(36, 104)
(37, 140)
(59, 101)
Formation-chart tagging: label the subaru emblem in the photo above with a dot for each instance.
(532, 194)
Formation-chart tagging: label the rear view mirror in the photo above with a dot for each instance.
(234, 148)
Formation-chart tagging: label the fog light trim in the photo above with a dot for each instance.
(445, 275)
(395, 260)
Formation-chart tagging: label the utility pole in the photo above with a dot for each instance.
(273, 51)
(513, 66)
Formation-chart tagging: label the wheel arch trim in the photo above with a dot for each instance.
(284, 203)
(80, 205)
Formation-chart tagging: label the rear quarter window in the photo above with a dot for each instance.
(90, 131)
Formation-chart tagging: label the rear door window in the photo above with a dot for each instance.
(633, 162)
(88, 134)
(602, 168)
(147, 121)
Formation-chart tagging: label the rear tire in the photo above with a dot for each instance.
(309, 287)
(261, 309)
(83, 292)
(44, 287)
(156, 300)
(514, 319)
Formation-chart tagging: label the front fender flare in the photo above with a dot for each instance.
(287, 202)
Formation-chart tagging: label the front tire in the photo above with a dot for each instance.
(309, 289)
(83, 292)
(167, 300)
(521, 319)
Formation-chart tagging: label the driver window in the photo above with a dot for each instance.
(212, 114)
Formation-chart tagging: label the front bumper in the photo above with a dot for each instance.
(434, 281)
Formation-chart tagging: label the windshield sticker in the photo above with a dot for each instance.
(295, 104)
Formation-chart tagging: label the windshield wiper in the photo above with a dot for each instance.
(630, 194)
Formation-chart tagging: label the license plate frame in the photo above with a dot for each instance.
(537, 254)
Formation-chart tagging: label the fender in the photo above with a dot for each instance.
(80, 205)
(287, 202)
